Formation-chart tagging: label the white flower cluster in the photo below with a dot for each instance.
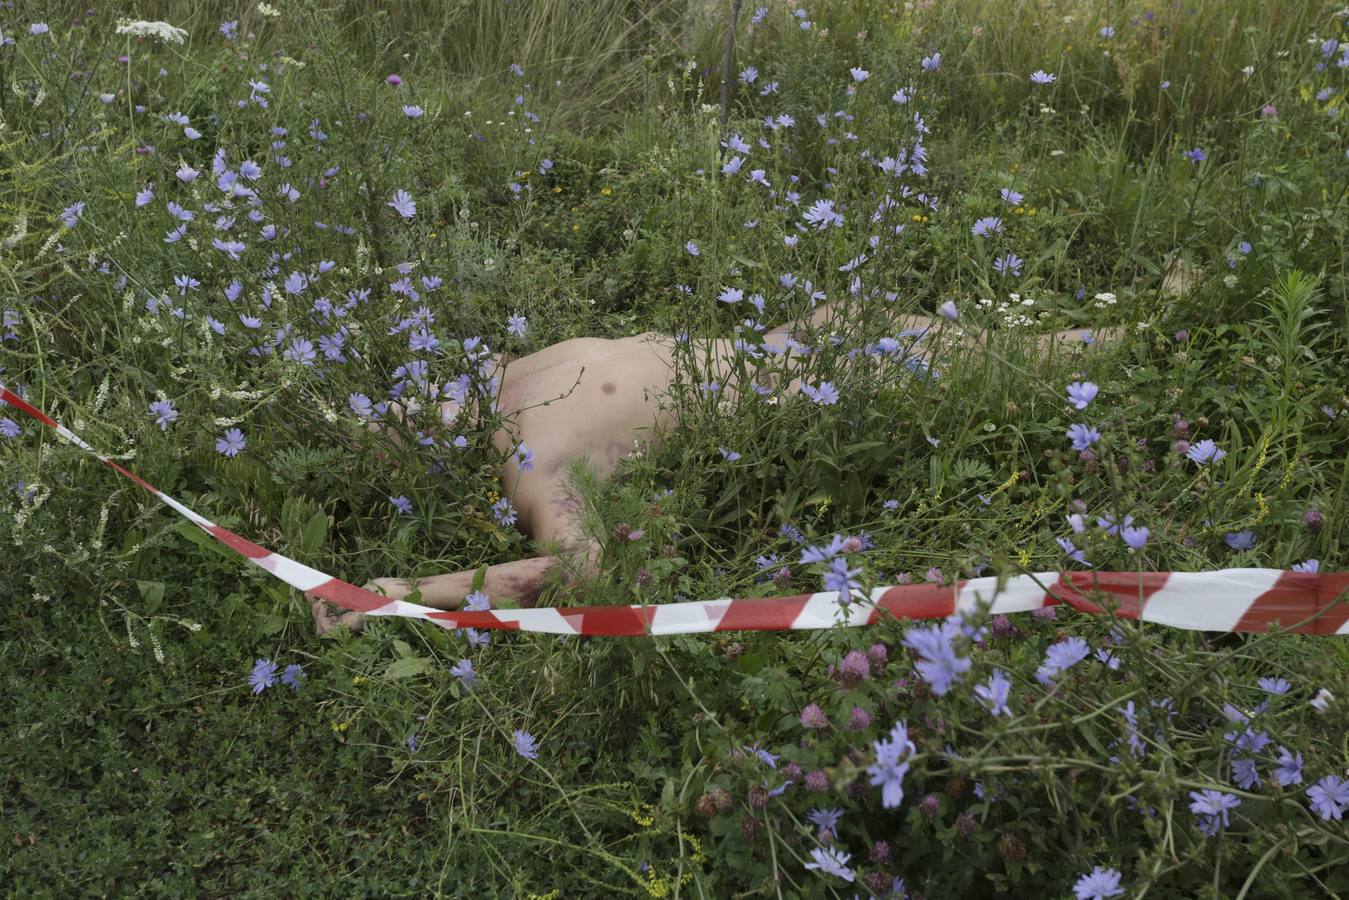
(266, 9)
(160, 31)
(101, 395)
(27, 508)
(1104, 299)
(96, 541)
(1012, 310)
(19, 233)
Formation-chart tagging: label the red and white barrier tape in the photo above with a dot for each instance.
(1223, 600)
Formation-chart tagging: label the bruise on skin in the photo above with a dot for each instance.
(524, 588)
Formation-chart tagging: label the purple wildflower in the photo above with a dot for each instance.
(831, 861)
(1098, 884)
(1061, 657)
(1082, 436)
(263, 675)
(995, 693)
(1212, 808)
(986, 226)
(1081, 393)
(526, 745)
(164, 413)
(71, 215)
(825, 394)
(859, 720)
(1071, 550)
(853, 669)
(891, 765)
(1135, 537)
(840, 578)
(293, 675)
(403, 204)
(463, 670)
(1289, 770)
(813, 717)
(503, 512)
(939, 666)
(1329, 797)
(231, 443)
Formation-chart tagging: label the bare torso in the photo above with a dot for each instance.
(591, 398)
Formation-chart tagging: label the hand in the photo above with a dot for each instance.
(327, 617)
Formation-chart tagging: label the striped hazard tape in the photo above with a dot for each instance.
(1247, 600)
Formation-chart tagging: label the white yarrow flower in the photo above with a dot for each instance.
(161, 31)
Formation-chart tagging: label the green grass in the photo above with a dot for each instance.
(137, 760)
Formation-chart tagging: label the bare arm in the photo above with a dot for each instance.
(519, 579)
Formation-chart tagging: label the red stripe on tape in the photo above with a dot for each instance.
(1130, 590)
(242, 546)
(15, 400)
(919, 601)
(349, 596)
(763, 614)
(1295, 597)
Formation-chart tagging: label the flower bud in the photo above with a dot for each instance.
(1011, 847)
(757, 796)
(860, 719)
(876, 655)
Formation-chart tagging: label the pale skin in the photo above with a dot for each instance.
(595, 399)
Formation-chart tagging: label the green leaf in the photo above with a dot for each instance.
(271, 625)
(407, 667)
(152, 592)
(314, 531)
(201, 538)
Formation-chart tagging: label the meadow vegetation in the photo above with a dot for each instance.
(225, 250)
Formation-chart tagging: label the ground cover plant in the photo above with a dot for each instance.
(231, 239)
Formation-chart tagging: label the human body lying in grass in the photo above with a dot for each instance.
(597, 400)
